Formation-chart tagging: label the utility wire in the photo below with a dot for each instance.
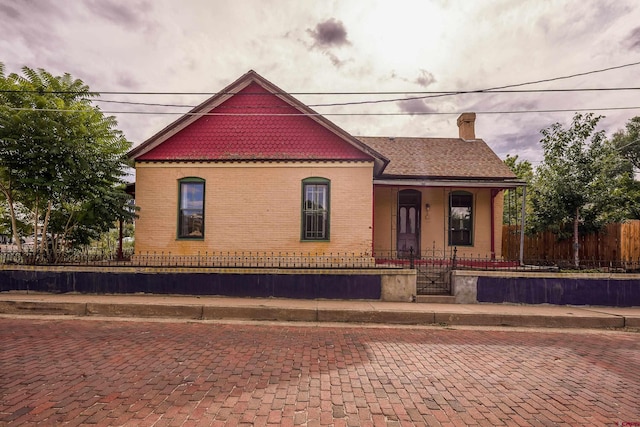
(611, 89)
(496, 89)
(485, 90)
(432, 113)
(445, 93)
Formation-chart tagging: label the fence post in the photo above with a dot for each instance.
(453, 260)
(411, 259)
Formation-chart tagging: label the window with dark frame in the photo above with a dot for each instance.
(460, 219)
(315, 209)
(191, 208)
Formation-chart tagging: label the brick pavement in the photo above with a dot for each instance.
(112, 373)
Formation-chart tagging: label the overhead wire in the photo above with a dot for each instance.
(492, 89)
(455, 92)
(612, 89)
(426, 113)
(425, 95)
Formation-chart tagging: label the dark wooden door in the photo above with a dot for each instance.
(408, 223)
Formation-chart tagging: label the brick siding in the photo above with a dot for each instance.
(253, 207)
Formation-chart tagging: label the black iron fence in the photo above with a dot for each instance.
(430, 262)
(237, 259)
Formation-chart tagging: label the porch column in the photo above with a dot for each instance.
(494, 193)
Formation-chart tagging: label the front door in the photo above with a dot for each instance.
(408, 223)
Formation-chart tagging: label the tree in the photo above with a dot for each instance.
(583, 182)
(60, 156)
(628, 141)
(5, 221)
(523, 169)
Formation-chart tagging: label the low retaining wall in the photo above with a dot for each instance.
(370, 284)
(613, 290)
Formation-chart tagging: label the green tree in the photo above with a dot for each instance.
(60, 156)
(523, 169)
(627, 141)
(5, 221)
(583, 182)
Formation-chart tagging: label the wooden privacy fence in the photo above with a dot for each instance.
(614, 243)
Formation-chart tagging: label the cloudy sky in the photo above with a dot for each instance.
(387, 50)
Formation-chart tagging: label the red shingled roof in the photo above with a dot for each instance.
(246, 133)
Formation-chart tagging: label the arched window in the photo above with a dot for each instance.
(460, 218)
(315, 209)
(191, 208)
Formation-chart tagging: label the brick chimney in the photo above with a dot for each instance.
(466, 126)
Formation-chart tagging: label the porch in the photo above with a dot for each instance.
(430, 218)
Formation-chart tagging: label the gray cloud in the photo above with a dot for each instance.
(415, 106)
(335, 60)
(29, 32)
(425, 78)
(125, 14)
(600, 15)
(498, 102)
(517, 142)
(330, 33)
(8, 11)
(634, 39)
(30, 9)
(128, 81)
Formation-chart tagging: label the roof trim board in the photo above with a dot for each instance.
(449, 183)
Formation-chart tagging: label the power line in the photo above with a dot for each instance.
(497, 89)
(487, 89)
(430, 113)
(397, 92)
(441, 93)
(613, 89)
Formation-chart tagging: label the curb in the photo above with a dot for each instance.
(261, 313)
(531, 321)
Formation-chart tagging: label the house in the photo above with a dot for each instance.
(252, 170)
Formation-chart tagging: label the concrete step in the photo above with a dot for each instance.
(436, 299)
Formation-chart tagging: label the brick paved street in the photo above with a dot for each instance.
(80, 372)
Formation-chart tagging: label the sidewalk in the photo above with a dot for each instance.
(217, 308)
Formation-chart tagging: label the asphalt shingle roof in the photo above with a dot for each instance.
(439, 158)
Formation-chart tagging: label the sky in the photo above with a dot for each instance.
(381, 50)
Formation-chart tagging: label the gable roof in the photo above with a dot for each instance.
(437, 158)
(252, 119)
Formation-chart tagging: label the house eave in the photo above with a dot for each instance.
(438, 182)
(257, 160)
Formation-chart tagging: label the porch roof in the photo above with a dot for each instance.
(439, 158)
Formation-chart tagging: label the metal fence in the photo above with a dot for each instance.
(431, 262)
(433, 268)
(238, 259)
